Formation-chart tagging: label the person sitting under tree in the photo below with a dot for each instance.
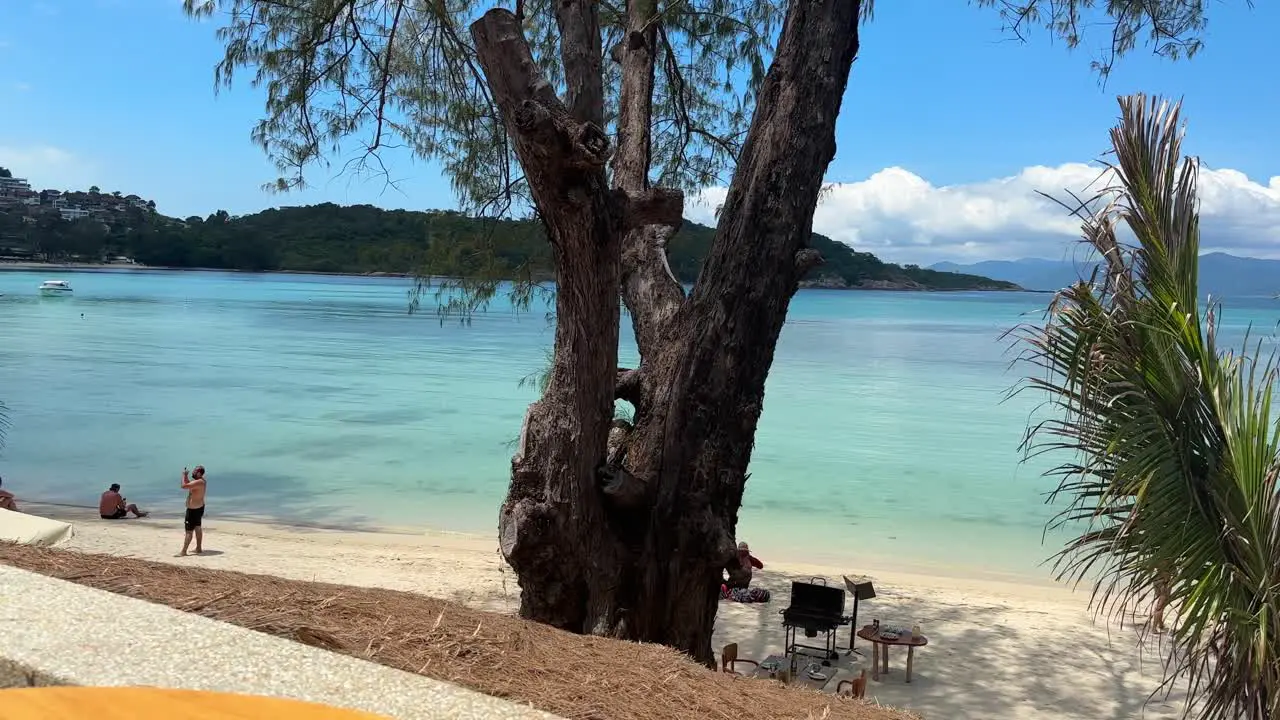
(738, 587)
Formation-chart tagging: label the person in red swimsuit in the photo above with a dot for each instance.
(738, 588)
(748, 561)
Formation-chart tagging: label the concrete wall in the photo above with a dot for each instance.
(54, 632)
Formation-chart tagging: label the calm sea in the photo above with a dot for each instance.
(886, 431)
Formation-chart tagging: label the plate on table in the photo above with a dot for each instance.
(889, 635)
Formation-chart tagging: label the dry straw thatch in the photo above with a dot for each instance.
(573, 676)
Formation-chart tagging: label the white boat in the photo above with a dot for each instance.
(55, 287)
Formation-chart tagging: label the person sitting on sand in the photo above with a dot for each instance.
(738, 588)
(740, 577)
(7, 501)
(748, 561)
(195, 487)
(113, 506)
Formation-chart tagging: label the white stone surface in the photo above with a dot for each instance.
(28, 529)
(51, 633)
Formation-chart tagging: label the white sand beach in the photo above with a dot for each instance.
(998, 647)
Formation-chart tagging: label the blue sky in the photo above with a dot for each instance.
(942, 107)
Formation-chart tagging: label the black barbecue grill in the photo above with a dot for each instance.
(816, 609)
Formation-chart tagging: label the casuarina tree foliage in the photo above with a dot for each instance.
(596, 116)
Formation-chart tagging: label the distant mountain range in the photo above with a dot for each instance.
(1221, 274)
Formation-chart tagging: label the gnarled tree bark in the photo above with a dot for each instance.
(553, 501)
(695, 449)
(628, 535)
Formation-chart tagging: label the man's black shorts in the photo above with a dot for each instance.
(193, 518)
(119, 513)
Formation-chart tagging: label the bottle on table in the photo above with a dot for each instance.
(915, 631)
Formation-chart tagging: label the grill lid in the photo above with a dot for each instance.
(816, 600)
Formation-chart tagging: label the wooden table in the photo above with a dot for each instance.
(880, 649)
(802, 665)
(139, 703)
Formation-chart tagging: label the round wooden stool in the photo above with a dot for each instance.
(144, 703)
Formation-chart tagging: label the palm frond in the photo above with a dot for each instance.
(1169, 449)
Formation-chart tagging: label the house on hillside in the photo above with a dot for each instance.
(11, 186)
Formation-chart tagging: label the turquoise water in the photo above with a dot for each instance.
(310, 399)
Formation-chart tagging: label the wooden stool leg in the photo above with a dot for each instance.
(875, 661)
(884, 657)
(911, 652)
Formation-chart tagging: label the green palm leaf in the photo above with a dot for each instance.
(1172, 470)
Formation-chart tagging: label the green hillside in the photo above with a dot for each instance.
(367, 239)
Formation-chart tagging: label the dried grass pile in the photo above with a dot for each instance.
(569, 675)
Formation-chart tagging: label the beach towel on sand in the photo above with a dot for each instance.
(27, 529)
(745, 595)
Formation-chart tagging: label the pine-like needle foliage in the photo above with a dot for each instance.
(1174, 447)
(349, 79)
(380, 73)
(1170, 28)
(356, 77)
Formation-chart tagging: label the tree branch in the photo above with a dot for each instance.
(628, 386)
(659, 206)
(649, 288)
(555, 488)
(734, 316)
(580, 48)
(806, 260)
(767, 216)
(548, 140)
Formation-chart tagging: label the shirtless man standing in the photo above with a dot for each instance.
(195, 487)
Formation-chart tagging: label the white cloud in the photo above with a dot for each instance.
(48, 167)
(902, 217)
(21, 86)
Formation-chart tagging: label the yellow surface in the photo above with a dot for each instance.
(99, 703)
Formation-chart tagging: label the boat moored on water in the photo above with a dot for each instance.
(55, 288)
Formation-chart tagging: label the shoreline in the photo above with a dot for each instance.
(784, 558)
(24, 266)
(998, 649)
(111, 267)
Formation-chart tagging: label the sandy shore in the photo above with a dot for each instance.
(999, 647)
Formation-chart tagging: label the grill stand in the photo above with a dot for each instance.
(853, 627)
(828, 649)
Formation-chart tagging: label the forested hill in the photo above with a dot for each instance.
(367, 239)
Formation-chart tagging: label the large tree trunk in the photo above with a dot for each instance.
(553, 501)
(629, 534)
